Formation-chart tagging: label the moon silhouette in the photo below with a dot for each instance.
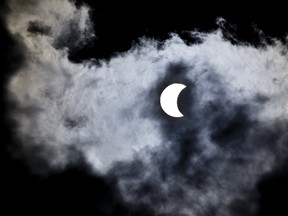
(169, 98)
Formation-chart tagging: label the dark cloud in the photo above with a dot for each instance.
(77, 121)
(185, 172)
(71, 36)
(36, 27)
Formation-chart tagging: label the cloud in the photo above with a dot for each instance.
(83, 106)
(207, 163)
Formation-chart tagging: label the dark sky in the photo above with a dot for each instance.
(118, 26)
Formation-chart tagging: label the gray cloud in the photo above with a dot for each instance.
(207, 163)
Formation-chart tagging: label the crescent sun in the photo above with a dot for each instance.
(169, 99)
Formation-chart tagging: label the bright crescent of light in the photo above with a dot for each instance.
(169, 98)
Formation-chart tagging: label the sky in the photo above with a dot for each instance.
(84, 131)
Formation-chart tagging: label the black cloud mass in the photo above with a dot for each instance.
(85, 132)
